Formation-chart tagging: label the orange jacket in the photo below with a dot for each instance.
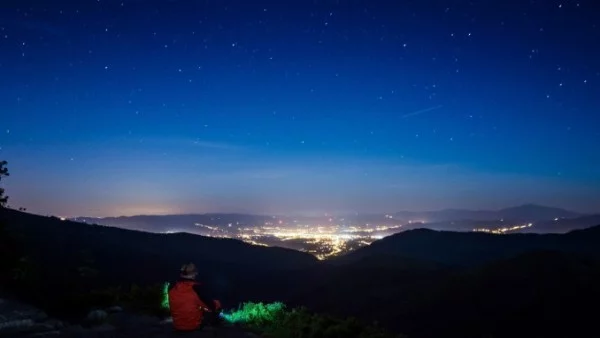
(185, 305)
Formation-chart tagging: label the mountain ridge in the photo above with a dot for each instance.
(530, 211)
(473, 248)
(447, 210)
(401, 289)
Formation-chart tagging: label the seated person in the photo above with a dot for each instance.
(190, 307)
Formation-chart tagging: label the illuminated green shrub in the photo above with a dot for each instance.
(275, 321)
(164, 303)
(256, 315)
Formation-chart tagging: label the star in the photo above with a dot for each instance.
(268, 81)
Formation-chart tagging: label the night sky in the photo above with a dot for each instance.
(138, 106)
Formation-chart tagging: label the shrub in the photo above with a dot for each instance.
(8, 255)
(275, 321)
(76, 303)
(256, 315)
(164, 302)
(146, 299)
(3, 173)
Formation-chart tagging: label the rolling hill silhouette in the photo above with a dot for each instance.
(529, 212)
(538, 294)
(62, 250)
(470, 248)
(437, 284)
(546, 219)
(423, 283)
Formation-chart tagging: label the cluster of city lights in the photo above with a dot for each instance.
(505, 230)
(323, 241)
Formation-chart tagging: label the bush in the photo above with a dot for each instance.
(75, 304)
(146, 300)
(275, 321)
(16, 268)
(8, 256)
(256, 315)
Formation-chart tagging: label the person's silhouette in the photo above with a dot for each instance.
(191, 309)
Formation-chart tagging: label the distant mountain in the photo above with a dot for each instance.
(450, 219)
(473, 248)
(556, 225)
(564, 225)
(177, 223)
(528, 212)
(535, 213)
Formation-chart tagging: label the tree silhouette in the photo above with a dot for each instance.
(3, 173)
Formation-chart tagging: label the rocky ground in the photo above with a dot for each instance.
(21, 320)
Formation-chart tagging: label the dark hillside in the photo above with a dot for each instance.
(423, 283)
(75, 256)
(472, 248)
(539, 294)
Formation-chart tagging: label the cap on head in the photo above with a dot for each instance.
(188, 270)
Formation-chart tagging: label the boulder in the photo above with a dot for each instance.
(18, 319)
(96, 317)
(103, 328)
(114, 309)
(56, 324)
(12, 325)
(48, 334)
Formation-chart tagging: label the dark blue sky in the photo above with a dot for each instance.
(127, 107)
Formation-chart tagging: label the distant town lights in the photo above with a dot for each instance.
(504, 230)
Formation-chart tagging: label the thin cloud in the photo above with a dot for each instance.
(419, 112)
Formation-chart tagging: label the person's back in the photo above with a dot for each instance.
(187, 301)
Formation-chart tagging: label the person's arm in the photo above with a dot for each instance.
(204, 297)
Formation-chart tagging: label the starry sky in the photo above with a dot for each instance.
(122, 107)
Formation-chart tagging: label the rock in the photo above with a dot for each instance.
(11, 311)
(42, 327)
(78, 331)
(56, 324)
(25, 327)
(45, 334)
(166, 321)
(18, 324)
(75, 330)
(18, 319)
(103, 328)
(39, 316)
(114, 309)
(96, 317)
(128, 320)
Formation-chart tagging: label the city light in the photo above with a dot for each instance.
(321, 240)
(503, 230)
(329, 238)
